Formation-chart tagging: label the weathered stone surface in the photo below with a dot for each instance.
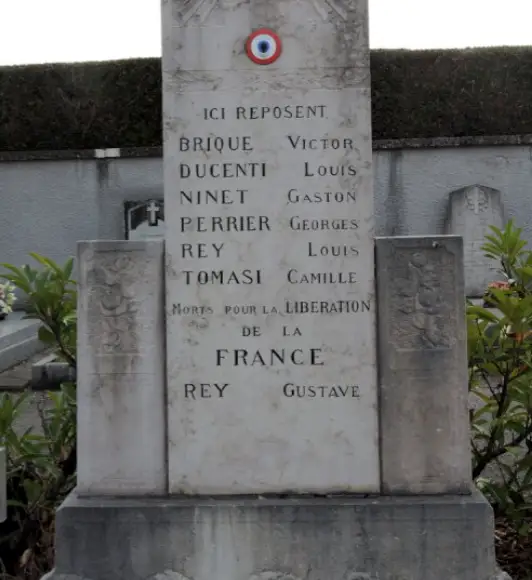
(121, 398)
(386, 538)
(471, 211)
(270, 250)
(423, 365)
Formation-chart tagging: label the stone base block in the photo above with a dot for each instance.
(337, 538)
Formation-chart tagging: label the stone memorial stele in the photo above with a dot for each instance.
(472, 210)
(269, 249)
(239, 415)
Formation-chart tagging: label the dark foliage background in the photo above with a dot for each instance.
(436, 93)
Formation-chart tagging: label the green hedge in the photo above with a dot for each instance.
(452, 93)
(81, 106)
(449, 93)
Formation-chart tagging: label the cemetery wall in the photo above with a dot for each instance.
(50, 200)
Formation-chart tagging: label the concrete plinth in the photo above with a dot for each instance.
(339, 538)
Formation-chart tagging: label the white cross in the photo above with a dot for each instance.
(153, 211)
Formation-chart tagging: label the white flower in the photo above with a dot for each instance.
(7, 297)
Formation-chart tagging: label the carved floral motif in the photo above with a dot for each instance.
(113, 302)
(421, 311)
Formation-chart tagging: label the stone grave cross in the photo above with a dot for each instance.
(153, 212)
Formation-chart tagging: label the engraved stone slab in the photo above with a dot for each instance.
(423, 365)
(270, 252)
(121, 398)
(471, 211)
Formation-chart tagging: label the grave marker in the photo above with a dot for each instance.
(144, 220)
(471, 211)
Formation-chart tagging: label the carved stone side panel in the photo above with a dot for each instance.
(471, 212)
(422, 365)
(121, 366)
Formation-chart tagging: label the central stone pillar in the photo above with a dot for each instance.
(270, 261)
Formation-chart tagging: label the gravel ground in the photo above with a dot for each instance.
(514, 550)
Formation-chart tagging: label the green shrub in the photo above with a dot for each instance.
(52, 297)
(500, 375)
(41, 467)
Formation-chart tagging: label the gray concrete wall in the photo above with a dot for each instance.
(52, 200)
(412, 186)
(48, 205)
